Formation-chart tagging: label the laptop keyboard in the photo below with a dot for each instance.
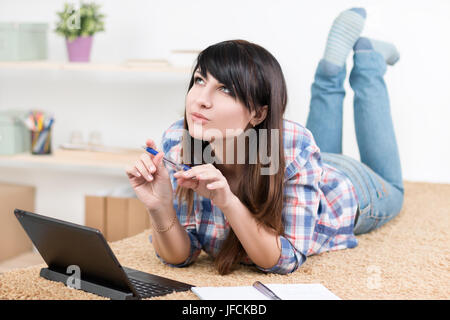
(147, 290)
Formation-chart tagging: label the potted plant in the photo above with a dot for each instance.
(78, 25)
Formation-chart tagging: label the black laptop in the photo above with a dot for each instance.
(81, 258)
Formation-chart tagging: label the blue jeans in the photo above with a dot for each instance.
(377, 178)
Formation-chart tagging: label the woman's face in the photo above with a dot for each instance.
(212, 99)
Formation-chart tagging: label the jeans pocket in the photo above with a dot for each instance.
(366, 222)
(379, 214)
(378, 184)
(379, 196)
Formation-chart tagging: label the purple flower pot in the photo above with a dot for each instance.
(79, 50)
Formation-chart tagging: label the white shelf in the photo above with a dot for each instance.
(82, 66)
(104, 163)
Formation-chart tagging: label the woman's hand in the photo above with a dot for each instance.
(209, 183)
(150, 180)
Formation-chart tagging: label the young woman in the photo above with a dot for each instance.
(313, 199)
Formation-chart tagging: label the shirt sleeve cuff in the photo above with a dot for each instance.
(290, 259)
(193, 254)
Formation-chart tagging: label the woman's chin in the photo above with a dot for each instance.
(198, 131)
(197, 135)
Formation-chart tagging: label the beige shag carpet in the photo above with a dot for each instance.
(408, 258)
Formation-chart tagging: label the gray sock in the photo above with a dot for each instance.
(343, 34)
(386, 49)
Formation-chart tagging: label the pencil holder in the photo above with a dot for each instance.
(41, 141)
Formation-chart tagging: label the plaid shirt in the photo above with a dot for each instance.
(320, 204)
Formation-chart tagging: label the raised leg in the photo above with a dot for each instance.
(373, 122)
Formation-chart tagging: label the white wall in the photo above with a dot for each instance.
(129, 107)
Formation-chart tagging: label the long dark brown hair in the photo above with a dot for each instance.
(255, 78)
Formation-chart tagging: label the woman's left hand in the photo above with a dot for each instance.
(209, 183)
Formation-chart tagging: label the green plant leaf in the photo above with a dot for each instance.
(83, 21)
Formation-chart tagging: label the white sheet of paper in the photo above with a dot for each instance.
(314, 291)
(310, 291)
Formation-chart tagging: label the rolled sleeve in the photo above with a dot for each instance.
(290, 259)
(193, 253)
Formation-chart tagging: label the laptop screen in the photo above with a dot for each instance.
(63, 244)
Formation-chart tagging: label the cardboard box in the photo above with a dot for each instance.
(13, 239)
(117, 218)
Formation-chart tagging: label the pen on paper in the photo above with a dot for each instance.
(265, 290)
